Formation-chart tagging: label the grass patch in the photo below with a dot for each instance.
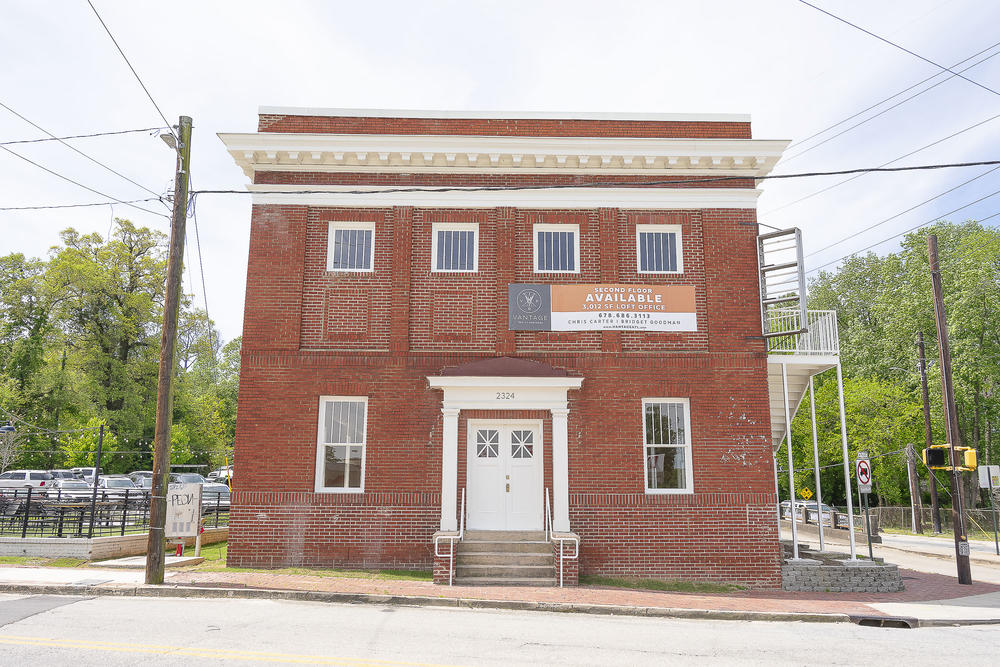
(42, 562)
(673, 585)
(215, 561)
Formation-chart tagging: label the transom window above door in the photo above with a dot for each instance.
(658, 249)
(557, 248)
(455, 247)
(350, 246)
(487, 443)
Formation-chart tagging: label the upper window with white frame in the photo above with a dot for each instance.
(340, 454)
(455, 247)
(557, 248)
(658, 249)
(667, 445)
(351, 246)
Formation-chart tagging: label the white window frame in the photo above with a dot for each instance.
(556, 228)
(345, 224)
(321, 446)
(688, 463)
(455, 227)
(659, 229)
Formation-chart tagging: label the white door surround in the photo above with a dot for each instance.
(476, 392)
(504, 479)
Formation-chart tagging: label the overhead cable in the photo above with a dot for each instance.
(85, 187)
(74, 136)
(136, 74)
(893, 217)
(894, 95)
(77, 150)
(847, 180)
(901, 48)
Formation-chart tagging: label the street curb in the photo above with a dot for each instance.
(168, 591)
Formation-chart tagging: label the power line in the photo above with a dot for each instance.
(893, 217)
(96, 203)
(77, 150)
(569, 186)
(889, 238)
(847, 180)
(905, 90)
(901, 48)
(136, 74)
(74, 136)
(77, 183)
(884, 111)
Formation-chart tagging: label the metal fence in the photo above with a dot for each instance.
(900, 518)
(29, 513)
(821, 337)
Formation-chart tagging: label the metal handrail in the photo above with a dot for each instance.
(789, 334)
(451, 542)
(550, 536)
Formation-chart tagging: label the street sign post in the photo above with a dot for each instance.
(863, 473)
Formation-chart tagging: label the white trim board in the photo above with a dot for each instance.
(566, 198)
(392, 153)
(502, 115)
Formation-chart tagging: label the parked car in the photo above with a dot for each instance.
(62, 474)
(86, 474)
(221, 474)
(70, 489)
(138, 477)
(213, 494)
(115, 482)
(23, 479)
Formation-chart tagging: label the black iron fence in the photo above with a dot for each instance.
(34, 513)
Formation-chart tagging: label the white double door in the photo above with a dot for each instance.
(504, 478)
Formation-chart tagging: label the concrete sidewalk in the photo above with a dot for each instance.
(929, 599)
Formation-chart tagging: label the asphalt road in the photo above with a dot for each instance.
(111, 631)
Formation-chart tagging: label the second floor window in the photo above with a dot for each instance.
(658, 248)
(557, 248)
(350, 246)
(454, 247)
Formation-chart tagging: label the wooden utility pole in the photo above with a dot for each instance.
(951, 417)
(164, 387)
(928, 435)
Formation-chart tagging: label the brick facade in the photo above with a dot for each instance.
(310, 333)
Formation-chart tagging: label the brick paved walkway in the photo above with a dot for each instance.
(920, 587)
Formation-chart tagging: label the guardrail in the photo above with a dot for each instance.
(451, 542)
(821, 336)
(31, 513)
(561, 539)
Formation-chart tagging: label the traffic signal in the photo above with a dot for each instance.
(938, 457)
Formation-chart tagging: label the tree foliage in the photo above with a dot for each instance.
(882, 302)
(79, 347)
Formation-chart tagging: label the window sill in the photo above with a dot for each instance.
(669, 492)
(338, 491)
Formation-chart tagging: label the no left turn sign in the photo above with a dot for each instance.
(863, 471)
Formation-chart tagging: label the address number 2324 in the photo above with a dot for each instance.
(505, 396)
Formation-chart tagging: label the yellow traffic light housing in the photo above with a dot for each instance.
(938, 457)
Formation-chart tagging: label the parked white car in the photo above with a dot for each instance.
(23, 479)
(70, 489)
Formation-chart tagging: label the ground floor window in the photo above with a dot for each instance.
(667, 445)
(340, 456)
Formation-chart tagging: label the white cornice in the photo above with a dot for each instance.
(505, 115)
(563, 198)
(281, 151)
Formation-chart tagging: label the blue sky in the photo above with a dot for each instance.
(795, 70)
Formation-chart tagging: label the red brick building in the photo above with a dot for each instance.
(434, 343)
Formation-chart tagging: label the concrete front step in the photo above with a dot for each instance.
(505, 581)
(482, 546)
(504, 558)
(505, 535)
(505, 570)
